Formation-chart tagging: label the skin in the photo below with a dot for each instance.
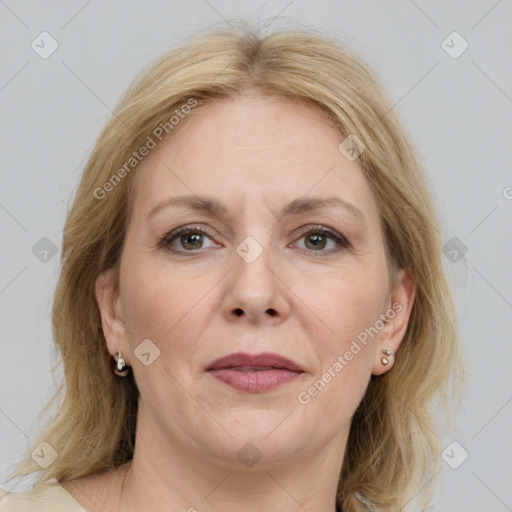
(255, 155)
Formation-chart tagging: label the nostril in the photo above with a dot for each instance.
(270, 311)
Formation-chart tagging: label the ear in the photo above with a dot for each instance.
(112, 316)
(396, 322)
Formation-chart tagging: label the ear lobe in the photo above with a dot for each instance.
(112, 318)
(400, 307)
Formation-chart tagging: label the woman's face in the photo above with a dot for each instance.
(289, 260)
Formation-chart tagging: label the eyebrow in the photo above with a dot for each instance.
(204, 204)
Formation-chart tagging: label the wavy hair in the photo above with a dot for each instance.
(394, 446)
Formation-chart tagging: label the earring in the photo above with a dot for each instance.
(121, 369)
(384, 360)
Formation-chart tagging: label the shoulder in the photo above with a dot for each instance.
(43, 497)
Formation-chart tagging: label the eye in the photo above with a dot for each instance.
(190, 238)
(318, 238)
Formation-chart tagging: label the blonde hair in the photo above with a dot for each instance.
(393, 449)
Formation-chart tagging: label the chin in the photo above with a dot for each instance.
(255, 452)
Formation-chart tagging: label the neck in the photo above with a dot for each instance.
(162, 477)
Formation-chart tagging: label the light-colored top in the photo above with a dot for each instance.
(43, 497)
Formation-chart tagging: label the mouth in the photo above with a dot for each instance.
(255, 373)
(253, 368)
(254, 362)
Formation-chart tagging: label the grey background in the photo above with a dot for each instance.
(457, 110)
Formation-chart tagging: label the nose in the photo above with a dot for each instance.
(255, 289)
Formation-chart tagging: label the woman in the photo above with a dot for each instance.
(252, 311)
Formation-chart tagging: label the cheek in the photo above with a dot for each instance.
(359, 308)
(170, 309)
(158, 306)
(345, 353)
(345, 338)
(155, 299)
(345, 305)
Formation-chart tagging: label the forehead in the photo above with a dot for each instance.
(252, 147)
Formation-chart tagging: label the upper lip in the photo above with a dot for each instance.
(266, 359)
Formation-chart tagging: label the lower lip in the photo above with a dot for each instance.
(255, 381)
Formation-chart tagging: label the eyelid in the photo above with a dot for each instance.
(324, 229)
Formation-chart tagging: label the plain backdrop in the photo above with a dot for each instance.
(456, 103)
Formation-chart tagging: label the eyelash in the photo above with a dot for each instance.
(340, 240)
